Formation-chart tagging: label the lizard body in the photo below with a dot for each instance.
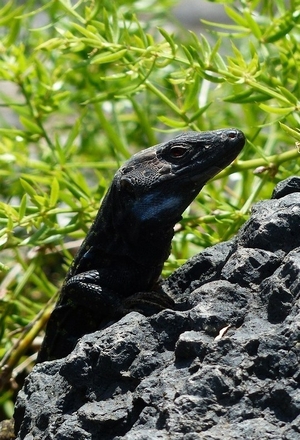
(120, 261)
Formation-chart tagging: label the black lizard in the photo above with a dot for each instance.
(118, 265)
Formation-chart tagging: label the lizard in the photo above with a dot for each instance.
(118, 266)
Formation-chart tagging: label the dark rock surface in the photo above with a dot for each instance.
(223, 365)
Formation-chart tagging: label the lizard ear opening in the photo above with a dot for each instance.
(127, 185)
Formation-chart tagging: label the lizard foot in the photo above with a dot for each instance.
(147, 303)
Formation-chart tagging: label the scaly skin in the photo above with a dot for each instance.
(119, 263)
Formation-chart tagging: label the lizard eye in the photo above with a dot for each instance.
(178, 152)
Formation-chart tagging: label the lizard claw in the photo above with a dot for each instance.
(147, 303)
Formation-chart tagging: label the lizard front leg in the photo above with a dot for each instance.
(83, 308)
(87, 285)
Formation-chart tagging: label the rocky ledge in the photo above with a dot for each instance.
(223, 364)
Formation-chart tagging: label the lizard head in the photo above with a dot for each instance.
(157, 184)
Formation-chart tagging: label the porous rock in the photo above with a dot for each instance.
(223, 364)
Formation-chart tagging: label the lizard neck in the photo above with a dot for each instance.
(128, 253)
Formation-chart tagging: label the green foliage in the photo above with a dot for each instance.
(84, 85)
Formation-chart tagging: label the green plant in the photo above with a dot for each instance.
(96, 82)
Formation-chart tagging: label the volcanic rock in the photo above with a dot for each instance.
(224, 364)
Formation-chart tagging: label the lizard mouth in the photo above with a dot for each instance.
(202, 176)
(218, 155)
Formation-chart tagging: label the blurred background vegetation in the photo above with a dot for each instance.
(83, 85)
